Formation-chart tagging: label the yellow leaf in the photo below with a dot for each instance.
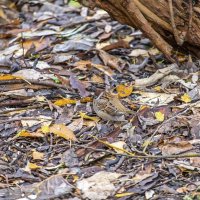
(86, 99)
(45, 129)
(4, 77)
(124, 194)
(186, 98)
(157, 88)
(124, 91)
(32, 166)
(25, 133)
(75, 178)
(159, 116)
(65, 101)
(84, 116)
(63, 131)
(37, 155)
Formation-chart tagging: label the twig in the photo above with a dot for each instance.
(36, 82)
(22, 118)
(166, 121)
(189, 155)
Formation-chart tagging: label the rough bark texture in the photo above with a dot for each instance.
(170, 24)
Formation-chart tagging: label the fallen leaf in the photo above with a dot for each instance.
(52, 187)
(174, 148)
(151, 98)
(160, 116)
(37, 155)
(76, 125)
(99, 186)
(72, 45)
(112, 61)
(186, 98)
(154, 78)
(25, 133)
(64, 101)
(76, 84)
(119, 146)
(96, 79)
(84, 116)
(195, 162)
(63, 131)
(138, 52)
(106, 70)
(4, 77)
(124, 91)
(45, 129)
(182, 190)
(38, 44)
(89, 123)
(83, 65)
(31, 166)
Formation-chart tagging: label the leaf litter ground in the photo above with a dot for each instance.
(89, 109)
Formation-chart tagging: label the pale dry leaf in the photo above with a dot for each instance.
(112, 61)
(151, 98)
(63, 131)
(37, 155)
(175, 148)
(99, 186)
(159, 74)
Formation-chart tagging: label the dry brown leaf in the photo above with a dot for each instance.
(175, 148)
(37, 155)
(96, 79)
(63, 131)
(112, 61)
(38, 44)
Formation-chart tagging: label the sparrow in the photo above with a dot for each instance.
(108, 107)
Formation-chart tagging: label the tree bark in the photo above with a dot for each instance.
(171, 24)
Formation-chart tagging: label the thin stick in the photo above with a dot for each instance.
(178, 114)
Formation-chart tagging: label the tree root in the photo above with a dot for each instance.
(167, 29)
